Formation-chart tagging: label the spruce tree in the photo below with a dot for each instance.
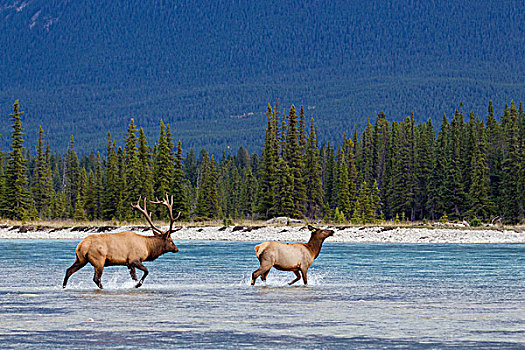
(424, 148)
(164, 164)
(437, 190)
(71, 177)
(180, 200)
(494, 150)
(375, 202)
(132, 172)
(456, 153)
(381, 143)
(42, 185)
(294, 162)
(207, 198)
(511, 165)
(329, 176)
(16, 203)
(249, 192)
(99, 187)
(343, 193)
(111, 196)
(90, 196)
(285, 196)
(313, 176)
(268, 169)
(362, 209)
(479, 194)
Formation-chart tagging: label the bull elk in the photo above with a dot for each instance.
(296, 257)
(125, 248)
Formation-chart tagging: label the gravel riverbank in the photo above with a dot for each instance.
(377, 234)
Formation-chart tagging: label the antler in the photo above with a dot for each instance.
(169, 204)
(144, 211)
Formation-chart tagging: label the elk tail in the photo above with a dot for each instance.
(82, 252)
(258, 250)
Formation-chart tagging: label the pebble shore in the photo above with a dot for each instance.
(370, 234)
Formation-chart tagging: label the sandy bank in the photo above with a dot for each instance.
(284, 233)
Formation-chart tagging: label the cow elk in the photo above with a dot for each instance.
(296, 257)
(125, 248)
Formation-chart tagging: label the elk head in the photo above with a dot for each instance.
(320, 233)
(165, 236)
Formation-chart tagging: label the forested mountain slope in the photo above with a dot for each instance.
(209, 68)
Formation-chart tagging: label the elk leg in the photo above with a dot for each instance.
(98, 276)
(133, 273)
(305, 280)
(264, 275)
(297, 278)
(77, 265)
(141, 267)
(263, 269)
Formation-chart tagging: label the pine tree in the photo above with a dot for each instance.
(343, 193)
(42, 185)
(362, 205)
(494, 151)
(90, 196)
(511, 165)
(2, 183)
(191, 168)
(132, 171)
(207, 199)
(268, 169)
(99, 188)
(294, 161)
(111, 197)
(313, 176)
(375, 202)
(381, 144)
(424, 148)
(16, 203)
(479, 190)
(437, 190)
(71, 177)
(164, 164)
(180, 201)
(365, 160)
(329, 176)
(456, 154)
(285, 197)
(521, 173)
(249, 191)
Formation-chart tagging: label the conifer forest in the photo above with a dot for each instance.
(467, 168)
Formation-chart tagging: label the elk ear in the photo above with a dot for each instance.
(311, 228)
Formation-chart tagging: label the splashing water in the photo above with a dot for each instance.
(359, 296)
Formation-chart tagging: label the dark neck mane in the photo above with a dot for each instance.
(155, 247)
(315, 244)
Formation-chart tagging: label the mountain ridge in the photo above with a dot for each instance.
(86, 68)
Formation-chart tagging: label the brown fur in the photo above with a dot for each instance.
(295, 257)
(124, 249)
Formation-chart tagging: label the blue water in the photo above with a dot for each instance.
(360, 296)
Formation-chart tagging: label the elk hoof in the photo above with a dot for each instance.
(138, 285)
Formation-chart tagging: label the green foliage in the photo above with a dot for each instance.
(475, 222)
(207, 200)
(339, 217)
(472, 169)
(16, 203)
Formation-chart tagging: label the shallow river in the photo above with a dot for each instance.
(360, 296)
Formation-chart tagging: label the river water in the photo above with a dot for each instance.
(360, 296)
